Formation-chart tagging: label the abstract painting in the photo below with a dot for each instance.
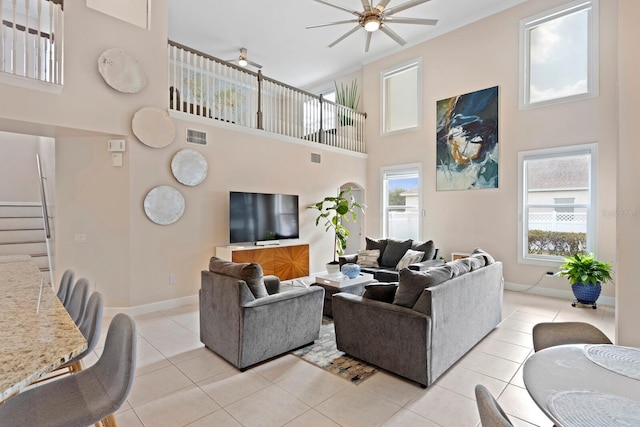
(467, 141)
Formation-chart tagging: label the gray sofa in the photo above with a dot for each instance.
(246, 320)
(421, 326)
(391, 251)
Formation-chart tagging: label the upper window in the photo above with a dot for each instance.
(556, 203)
(559, 54)
(402, 98)
(401, 201)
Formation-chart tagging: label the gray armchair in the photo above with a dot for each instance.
(246, 320)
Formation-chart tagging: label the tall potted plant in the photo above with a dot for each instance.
(333, 210)
(585, 274)
(347, 96)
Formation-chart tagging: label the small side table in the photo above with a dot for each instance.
(333, 285)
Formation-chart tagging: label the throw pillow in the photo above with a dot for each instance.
(251, 273)
(476, 263)
(409, 258)
(429, 249)
(368, 258)
(379, 244)
(394, 251)
(459, 266)
(488, 259)
(412, 284)
(380, 292)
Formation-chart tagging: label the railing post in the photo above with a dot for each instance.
(320, 130)
(259, 113)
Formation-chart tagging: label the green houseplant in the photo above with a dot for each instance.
(585, 274)
(333, 210)
(347, 95)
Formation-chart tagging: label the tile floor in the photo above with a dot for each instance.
(180, 383)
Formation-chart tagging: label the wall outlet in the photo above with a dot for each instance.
(80, 238)
(172, 279)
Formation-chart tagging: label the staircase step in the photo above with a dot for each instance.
(21, 236)
(23, 248)
(14, 210)
(20, 223)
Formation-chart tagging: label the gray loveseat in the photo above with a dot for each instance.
(244, 318)
(391, 252)
(421, 326)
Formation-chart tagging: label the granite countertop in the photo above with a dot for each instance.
(34, 338)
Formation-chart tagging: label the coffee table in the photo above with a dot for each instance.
(334, 284)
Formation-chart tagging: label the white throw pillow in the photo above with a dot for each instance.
(368, 258)
(409, 258)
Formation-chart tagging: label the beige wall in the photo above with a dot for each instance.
(628, 201)
(478, 56)
(18, 167)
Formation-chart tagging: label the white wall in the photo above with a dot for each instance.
(628, 201)
(478, 56)
(18, 167)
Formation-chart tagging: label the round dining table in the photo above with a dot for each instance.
(586, 385)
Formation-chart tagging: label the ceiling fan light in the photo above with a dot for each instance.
(242, 62)
(371, 24)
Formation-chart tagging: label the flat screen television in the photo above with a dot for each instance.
(262, 218)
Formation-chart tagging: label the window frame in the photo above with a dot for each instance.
(547, 260)
(390, 72)
(396, 170)
(527, 24)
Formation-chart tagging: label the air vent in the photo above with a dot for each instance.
(196, 137)
(315, 158)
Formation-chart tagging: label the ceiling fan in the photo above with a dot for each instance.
(376, 18)
(243, 61)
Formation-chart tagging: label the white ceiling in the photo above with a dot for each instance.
(275, 36)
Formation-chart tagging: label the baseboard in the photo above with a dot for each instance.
(555, 293)
(150, 308)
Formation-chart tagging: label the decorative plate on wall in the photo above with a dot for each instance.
(164, 205)
(122, 71)
(153, 127)
(189, 167)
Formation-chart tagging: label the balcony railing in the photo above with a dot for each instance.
(31, 39)
(209, 87)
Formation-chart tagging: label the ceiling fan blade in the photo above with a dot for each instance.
(367, 5)
(388, 31)
(367, 41)
(411, 21)
(254, 64)
(353, 30)
(337, 6)
(331, 23)
(382, 5)
(403, 6)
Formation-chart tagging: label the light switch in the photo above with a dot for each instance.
(80, 238)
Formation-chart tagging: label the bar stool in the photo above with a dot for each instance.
(78, 300)
(66, 283)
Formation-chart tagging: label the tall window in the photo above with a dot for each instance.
(559, 54)
(556, 203)
(402, 98)
(401, 201)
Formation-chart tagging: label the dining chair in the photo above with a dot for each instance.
(66, 284)
(549, 334)
(90, 327)
(491, 414)
(88, 397)
(78, 299)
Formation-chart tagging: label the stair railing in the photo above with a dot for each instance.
(45, 215)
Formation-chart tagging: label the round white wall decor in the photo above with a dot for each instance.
(121, 70)
(164, 205)
(189, 167)
(153, 127)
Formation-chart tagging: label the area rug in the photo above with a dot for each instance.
(324, 353)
